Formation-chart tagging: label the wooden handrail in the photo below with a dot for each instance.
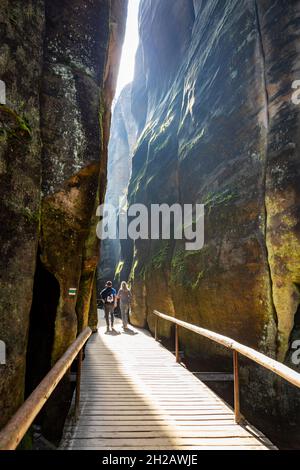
(271, 364)
(15, 429)
(277, 367)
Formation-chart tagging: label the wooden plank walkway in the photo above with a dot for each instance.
(134, 396)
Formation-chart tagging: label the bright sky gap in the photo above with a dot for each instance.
(131, 41)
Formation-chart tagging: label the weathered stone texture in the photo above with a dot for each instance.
(21, 59)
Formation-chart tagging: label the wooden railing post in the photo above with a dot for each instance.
(237, 412)
(177, 343)
(156, 328)
(78, 380)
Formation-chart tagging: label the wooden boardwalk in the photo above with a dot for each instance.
(134, 396)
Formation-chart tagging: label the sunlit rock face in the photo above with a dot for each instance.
(121, 144)
(59, 60)
(212, 98)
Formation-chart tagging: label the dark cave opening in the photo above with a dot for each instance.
(46, 292)
(48, 425)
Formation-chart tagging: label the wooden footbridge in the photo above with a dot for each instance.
(135, 396)
(132, 394)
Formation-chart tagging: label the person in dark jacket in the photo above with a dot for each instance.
(109, 299)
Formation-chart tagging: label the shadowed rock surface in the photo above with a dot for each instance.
(212, 98)
(59, 60)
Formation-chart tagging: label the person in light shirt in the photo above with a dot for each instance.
(124, 295)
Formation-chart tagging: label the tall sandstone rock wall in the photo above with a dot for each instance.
(59, 60)
(212, 98)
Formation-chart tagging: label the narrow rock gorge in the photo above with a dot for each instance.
(122, 141)
(217, 125)
(59, 61)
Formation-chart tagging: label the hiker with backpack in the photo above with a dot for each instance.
(124, 295)
(108, 296)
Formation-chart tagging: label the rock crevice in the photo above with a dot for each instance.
(264, 186)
